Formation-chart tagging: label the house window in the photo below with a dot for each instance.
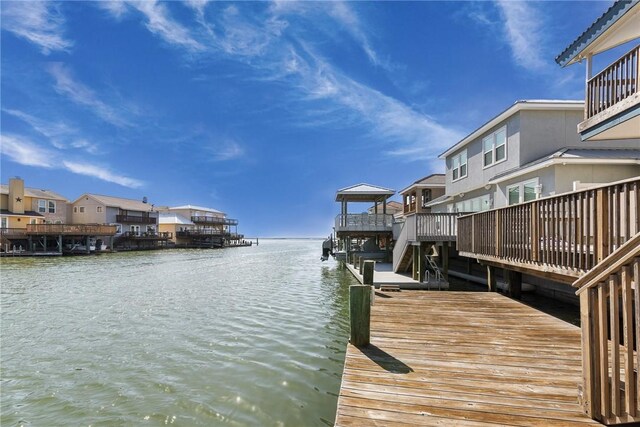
(426, 196)
(75, 209)
(459, 164)
(135, 230)
(42, 206)
(494, 147)
(522, 192)
(4, 222)
(99, 209)
(33, 221)
(81, 209)
(52, 206)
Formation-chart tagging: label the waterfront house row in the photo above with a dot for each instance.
(35, 220)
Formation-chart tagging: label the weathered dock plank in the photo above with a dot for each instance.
(462, 358)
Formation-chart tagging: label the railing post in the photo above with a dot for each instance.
(602, 218)
(535, 232)
(498, 235)
(360, 314)
(589, 398)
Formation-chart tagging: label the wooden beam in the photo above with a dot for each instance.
(360, 314)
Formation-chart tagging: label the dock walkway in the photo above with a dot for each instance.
(462, 358)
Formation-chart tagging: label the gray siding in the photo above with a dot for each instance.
(597, 174)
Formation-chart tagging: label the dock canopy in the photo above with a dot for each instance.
(364, 193)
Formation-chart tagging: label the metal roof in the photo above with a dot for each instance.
(364, 193)
(196, 208)
(36, 193)
(119, 202)
(595, 30)
(531, 104)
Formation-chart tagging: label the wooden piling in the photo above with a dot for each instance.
(360, 314)
(361, 265)
(491, 278)
(514, 279)
(367, 272)
(445, 260)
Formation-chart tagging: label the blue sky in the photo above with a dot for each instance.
(263, 110)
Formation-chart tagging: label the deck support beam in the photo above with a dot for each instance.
(491, 279)
(445, 260)
(514, 278)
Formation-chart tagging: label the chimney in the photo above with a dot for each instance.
(16, 195)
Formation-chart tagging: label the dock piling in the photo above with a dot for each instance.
(360, 314)
(367, 272)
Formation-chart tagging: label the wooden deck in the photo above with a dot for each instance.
(462, 358)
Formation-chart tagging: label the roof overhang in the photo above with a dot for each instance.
(618, 25)
(421, 186)
(531, 105)
(364, 193)
(625, 125)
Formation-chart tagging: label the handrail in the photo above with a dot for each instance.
(615, 83)
(622, 256)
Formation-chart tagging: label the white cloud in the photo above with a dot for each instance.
(524, 33)
(65, 84)
(229, 150)
(39, 22)
(102, 173)
(23, 151)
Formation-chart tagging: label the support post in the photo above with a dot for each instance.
(589, 398)
(491, 279)
(87, 244)
(367, 272)
(360, 314)
(59, 242)
(45, 243)
(514, 279)
(420, 263)
(414, 274)
(445, 260)
(361, 264)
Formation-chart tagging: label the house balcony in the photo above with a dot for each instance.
(200, 233)
(59, 229)
(612, 104)
(163, 235)
(364, 223)
(432, 227)
(135, 219)
(212, 220)
(560, 237)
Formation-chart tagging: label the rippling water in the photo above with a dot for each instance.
(240, 336)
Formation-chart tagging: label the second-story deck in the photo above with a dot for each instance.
(213, 220)
(364, 223)
(59, 229)
(559, 237)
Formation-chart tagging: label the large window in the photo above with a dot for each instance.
(42, 206)
(522, 192)
(494, 147)
(459, 166)
(476, 204)
(52, 206)
(4, 222)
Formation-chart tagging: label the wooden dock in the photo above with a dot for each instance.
(462, 358)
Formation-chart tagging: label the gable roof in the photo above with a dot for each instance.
(364, 192)
(435, 180)
(570, 155)
(119, 202)
(531, 104)
(618, 15)
(35, 193)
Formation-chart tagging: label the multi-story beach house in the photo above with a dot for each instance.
(197, 226)
(20, 205)
(136, 221)
(528, 151)
(417, 196)
(612, 96)
(38, 221)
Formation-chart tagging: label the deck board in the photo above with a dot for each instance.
(462, 358)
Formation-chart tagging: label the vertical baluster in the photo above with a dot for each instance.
(636, 321)
(626, 206)
(615, 232)
(574, 224)
(557, 232)
(614, 311)
(603, 345)
(627, 323)
(581, 230)
(589, 248)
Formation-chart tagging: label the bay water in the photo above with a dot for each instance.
(251, 336)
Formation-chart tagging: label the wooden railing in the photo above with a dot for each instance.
(194, 233)
(609, 294)
(13, 232)
(618, 81)
(72, 229)
(201, 219)
(364, 222)
(564, 235)
(142, 219)
(435, 227)
(162, 235)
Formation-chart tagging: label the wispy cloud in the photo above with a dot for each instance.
(61, 135)
(24, 151)
(39, 22)
(66, 84)
(523, 26)
(229, 150)
(159, 21)
(102, 173)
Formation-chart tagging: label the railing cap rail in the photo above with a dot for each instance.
(618, 258)
(595, 187)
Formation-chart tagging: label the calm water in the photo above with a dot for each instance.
(241, 336)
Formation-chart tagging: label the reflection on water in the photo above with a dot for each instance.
(242, 336)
